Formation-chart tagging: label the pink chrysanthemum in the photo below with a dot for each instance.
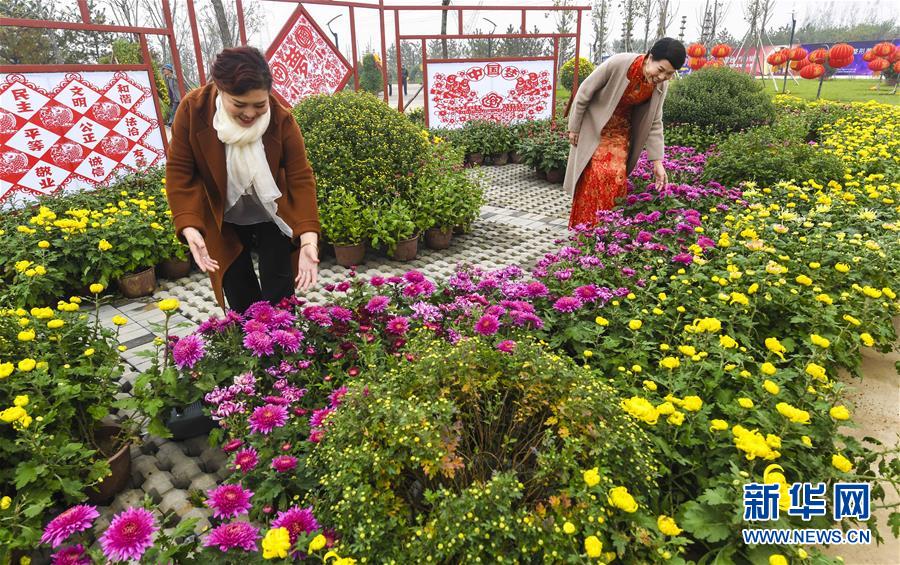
(297, 521)
(318, 417)
(233, 535)
(413, 277)
(377, 304)
(282, 319)
(188, 351)
(507, 346)
(336, 395)
(259, 343)
(74, 520)
(129, 535)
(316, 435)
(398, 325)
(72, 555)
(289, 340)
(377, 281)
(232, 445)
(487, 325)
(246, 460)
(261, 311)
(340, 313)
(251, 326)
(567, 304)
(535, 289)
(284, 463)
(266, 418)
(587, 293)
(229, 501)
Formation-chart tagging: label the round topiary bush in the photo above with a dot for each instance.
(567, 72)
(718, 99)
(470, 454)
(355, 141)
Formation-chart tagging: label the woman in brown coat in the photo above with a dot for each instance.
(617, 112)
(237, 177)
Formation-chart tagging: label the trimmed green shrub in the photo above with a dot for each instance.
(472, 454)
(370, 77)
(719, 99)
(689, 135)
(567, 72)
(486, 137)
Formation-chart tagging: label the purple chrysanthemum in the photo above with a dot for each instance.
(72, 555)
(377, 304)
(74, 520)
(336, 395)
(262, 311)
(233, 535)
(282, 319)
(188, 350)
(567, 304)
(289, 340)
(246, 460)
(398, 325)
(377, 281)
(587, 293)
(259, 343)
(229, 501)
(413, 277)
(232, 445)
(297, 521)
(266, 418)
(340, 313)
(683, 258)
(535, 289)
(487, 325)
(318, 417)
(507, 346)
(252, 325)
(284, 463)
(129, 535)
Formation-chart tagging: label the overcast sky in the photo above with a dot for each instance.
(430, 22)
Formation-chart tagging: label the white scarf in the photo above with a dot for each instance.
(246, 163)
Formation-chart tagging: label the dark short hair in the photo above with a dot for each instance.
(669, 49)
(239, 70)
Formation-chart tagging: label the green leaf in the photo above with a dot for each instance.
(894, 523)
(715, 496)
(704, 522)
(27, 472)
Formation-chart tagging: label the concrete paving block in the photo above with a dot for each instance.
(202, 517)
(203, 483)
(169, 455)
(142, 467)
(157, 485)
(195, 446)
(212, 459)
(184, 472)
(127, 499)
(176, 501)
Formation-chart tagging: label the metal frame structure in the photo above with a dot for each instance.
(87, 25)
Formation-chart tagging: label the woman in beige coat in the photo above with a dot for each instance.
(616, 113)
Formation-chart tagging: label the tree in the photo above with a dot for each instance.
(647, 7)
(824, 27)
(564, 21)
(51, 46)
(629, 15)
(125, 52)
(444, 50)
(600, 22)
(665, 17)
(456, 49)
(370, 78)
(523, 47)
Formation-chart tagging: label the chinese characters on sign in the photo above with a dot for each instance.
(304, 62)
(71, 131)
(505, 92)
(807, 500)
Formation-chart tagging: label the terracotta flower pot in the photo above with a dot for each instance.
(541, 173)
(437, 238)
(475, 159)
(500, 159)
(135, 285)
(556, 175)
(515, 157)
(350, 255)
(174, 268)
(406, 250)
(119, 465)
(459, 230)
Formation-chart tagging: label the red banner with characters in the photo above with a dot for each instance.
(304, 62)
(499, 91)
(66, 132)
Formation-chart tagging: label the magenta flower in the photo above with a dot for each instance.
(232, 445)
(233, 535)
(336, 395)
(341, 314)
(229, 501)
(297, 521)
(266, 418)
(72, 555)
(284, 463)
(259, 343)
(289, 340)
(251, 326)
(129, 535)
(74, 520)
(318, 417)
(246, 460)
(377, 281)
(535, 289)
(567, 304)
(487, 325)
(377, 304)
(684, 258)
(413, 277)
(587, 293)
(507, 346)
(188, 351)
(398, 325)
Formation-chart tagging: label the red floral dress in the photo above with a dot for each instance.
(604, 179)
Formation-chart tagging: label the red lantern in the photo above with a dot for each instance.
(818, 56)
(715, 63)
(878, 65)
(897, 67)
(777, 58)
(884, 49)
(696, 63)
(798, 54)
(798, 65)
(696, 50)
(721, 51)
(869, 56)
(841, 51)
(895, 56)
(836, 63)
(811, 71)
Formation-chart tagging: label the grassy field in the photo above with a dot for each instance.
(851, 90)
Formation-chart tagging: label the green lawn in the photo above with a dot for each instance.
(850, 90)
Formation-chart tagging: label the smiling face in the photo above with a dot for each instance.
(658, 71)
(248, 107)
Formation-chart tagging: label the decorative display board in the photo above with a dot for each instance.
(304, 61)
(500, 91)
(67, 132)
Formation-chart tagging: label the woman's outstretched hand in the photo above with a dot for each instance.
(659, 173)
(307, 267)
(573, 138)
(197, 245)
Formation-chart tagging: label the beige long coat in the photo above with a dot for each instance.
(594, 103)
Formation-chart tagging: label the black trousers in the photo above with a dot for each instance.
(276, 280)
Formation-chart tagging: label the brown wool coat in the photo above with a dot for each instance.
(594, 103)
(196, 178)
